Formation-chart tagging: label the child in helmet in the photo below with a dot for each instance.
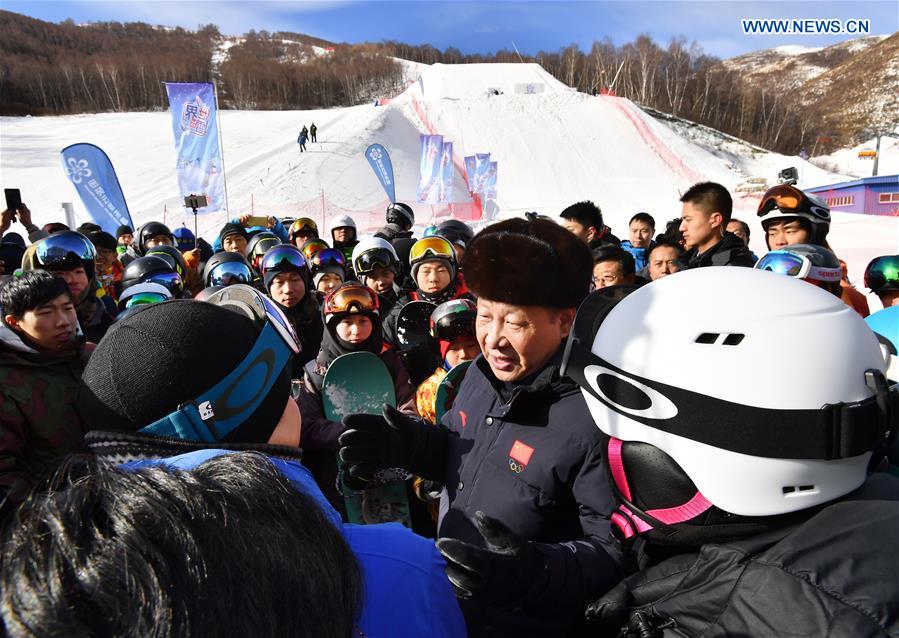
(352, 323)
(328, 270)
(746, 482)
(376, 264)
(302, 230)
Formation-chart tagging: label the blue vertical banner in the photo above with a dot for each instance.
(91, 173)
(446, 172)
(199, 164)
(379, 160)
(482, 165)
(490, 182)
(430, 179)
(470, 162)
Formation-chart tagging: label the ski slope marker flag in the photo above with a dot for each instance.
(379, 160)
(91, 173)
(199, 162)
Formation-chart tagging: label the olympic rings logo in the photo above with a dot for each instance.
(515, 466)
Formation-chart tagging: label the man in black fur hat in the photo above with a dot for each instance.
(523, 518)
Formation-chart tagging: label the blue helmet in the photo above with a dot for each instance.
(184, 238)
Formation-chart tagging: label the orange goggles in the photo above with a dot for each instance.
(789, 199)
(351, 298)
(313, 246)
(434, 246)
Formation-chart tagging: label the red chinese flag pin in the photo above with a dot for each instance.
(521, 452)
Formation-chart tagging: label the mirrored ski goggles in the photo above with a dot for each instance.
(797, 266)
(453, 319)
(171, 280)
(434, 245)
(372, 259)
(142, 298)
(835, 431)
(143, 293)
(283, 257)
(328, 257)
(230, 273)
(789, 199)
(312, 247)
(264, 245)
(57, 249)
(218, 411)
(350, 298)
(883, 273)
(304, 224)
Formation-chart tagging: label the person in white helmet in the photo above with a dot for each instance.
(741, 472)
(343, 235)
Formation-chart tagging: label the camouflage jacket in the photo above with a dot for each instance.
(38, 422)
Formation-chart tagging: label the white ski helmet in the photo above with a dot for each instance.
(378, 251)
(342, 221)
(694, 365)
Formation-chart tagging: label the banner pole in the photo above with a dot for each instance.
(218, 123)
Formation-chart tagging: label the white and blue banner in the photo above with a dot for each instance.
(489, 184)
(92, 175)
(470, 162)
(430, 177)
(199, 164)
(446, 172)
(482, 166)
(379, 160)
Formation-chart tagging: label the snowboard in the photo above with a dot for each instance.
(359, 382)
(415, 345)
(449, 389)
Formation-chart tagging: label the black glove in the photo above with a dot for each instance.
(372, 442)
(499, 575)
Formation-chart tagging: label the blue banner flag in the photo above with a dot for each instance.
(470, 166)
(482, 165)
(93, 176)
(446, 172)
(379, 160)
(430, 179)
(490, 182)
(199, 164)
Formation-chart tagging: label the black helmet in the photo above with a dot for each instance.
(225, 269)
(65, 250)
(206, 293)
(452, 319)
(173, 256)
(155, 269)
(259, 244)
(401, 214)
(145, 232)
(457, 232)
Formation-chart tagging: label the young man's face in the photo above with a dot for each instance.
(609, 273)
(380, 280)
(584, 233)
(786, 233)
(235, 244)
(126, 240)
(464, 348)
(432, 277)
(288, 289)
(354, 329)
(328, 282)
(302, 237)
(640, 234)
(343, 234)
(518, 340)
(77, 280)
(51, 325)
(159, 240)
(700, 230)
(737, 229)
(106, 257)
(663, 262)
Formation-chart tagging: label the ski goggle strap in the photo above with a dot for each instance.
(218, 411)
(57, 249)
(371, 259)
(283, 257)
(784, 262)
(435, 245)
(883, 273)
(229, 273)
(345, 299)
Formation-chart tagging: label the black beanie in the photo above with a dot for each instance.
(165, 355)
(233, 229)
(123, 230)
(102, 239)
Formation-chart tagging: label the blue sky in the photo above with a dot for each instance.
(487, 26)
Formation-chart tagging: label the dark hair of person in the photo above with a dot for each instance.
(665, 244)
(710, 197)
(29, 290)
(610, 252)
(229, 548)
(672, 233)
(645, 218)
(585, 213)
(744, 225)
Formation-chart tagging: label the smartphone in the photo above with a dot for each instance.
(195, 201)
(256, 220)
(13, 198)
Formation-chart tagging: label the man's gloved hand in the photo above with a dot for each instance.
(372, 442)
(500, 574)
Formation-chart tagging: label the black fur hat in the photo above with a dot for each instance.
(528, 263)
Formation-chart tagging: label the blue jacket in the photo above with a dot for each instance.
(278, 229)
(407, 593)
(640, 255)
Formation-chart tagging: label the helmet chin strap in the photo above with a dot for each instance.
(625, 522)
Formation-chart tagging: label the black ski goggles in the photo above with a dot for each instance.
(372, 259)
(283, 257)
(221, 409)
(835, 431)
(883, 274)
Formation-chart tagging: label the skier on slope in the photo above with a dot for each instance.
(732, 525)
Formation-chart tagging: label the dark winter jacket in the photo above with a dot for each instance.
(38, 423)
(730, 251)
(534, 463)
(95, 316)
(306, 319)
(836, 574)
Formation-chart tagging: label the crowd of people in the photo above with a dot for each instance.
(662, 435)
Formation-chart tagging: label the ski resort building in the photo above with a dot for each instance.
(869, 195)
